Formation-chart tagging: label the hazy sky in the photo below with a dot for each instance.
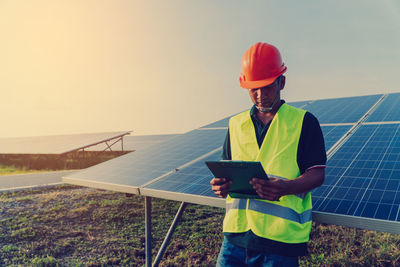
(171, 66)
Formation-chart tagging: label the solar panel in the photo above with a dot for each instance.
(137, 168)
(342, 110)
(387, 110)
(363, 177)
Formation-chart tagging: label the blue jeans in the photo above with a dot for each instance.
(231, 255)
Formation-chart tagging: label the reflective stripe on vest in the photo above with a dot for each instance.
(288, 220)
(272, 209)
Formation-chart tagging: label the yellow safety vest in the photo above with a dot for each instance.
(287, 220)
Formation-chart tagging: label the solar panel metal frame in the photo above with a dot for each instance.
(357, 222)
(98, 142)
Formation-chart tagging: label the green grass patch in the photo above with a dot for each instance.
(74, 226)
(8, 170)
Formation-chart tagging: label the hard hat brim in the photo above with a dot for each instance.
(260, 83)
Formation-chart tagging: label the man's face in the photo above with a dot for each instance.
(264, 97)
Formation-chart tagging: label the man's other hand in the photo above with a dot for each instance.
(220, 186)
(275, 188)
(271, 189)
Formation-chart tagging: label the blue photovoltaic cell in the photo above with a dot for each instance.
(139, 167)
(342, 110)
(388, 110)
(363, 176)
(332, 134)
(193, 179)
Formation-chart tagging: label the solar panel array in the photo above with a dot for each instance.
(362, 176)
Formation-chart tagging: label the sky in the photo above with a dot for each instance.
(162, 67)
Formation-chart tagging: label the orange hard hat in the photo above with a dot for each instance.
(261, 65)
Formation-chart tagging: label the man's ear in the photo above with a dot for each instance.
(283, 82)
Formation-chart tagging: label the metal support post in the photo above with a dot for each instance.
(171, 230)
(147, 214)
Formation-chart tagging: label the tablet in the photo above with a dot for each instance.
(240, 172)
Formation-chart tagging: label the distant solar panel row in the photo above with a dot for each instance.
(136, 142)
(55, 144)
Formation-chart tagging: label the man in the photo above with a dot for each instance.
(273, 230)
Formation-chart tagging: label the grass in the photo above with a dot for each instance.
(75, 226)
(7, 170)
